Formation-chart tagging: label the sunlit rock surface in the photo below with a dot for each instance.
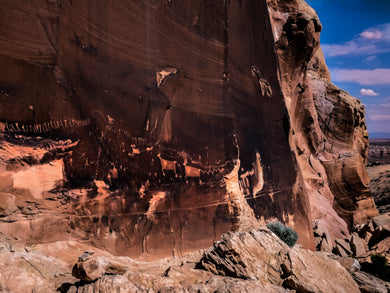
(328, 132)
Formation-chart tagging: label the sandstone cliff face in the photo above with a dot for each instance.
(185, 120)
(328, 132)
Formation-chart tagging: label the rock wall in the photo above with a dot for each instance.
(328, 131)
(189, 119)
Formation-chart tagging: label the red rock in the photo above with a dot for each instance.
(185, 120)
(381, 220)
(351, 264)
(358, 245)
(343, 247)
(370, 283)
(328, 132)
(261, 255)
(380, 234)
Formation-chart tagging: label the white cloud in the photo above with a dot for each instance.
(371, 41)
(379, 117)
(385, 104)
(362, 76)
(379, 112)
(371, 58)
(368, 92)
(349, 48)
(372, 34)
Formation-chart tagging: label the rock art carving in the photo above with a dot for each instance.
(167, 165)
(15, 127)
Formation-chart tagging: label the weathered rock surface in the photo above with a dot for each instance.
(261, 256)
(255, 255)
(150, 128)
(370, 284)
(43, 269)
(256, 261)
(358, 246)
(351, 264)
(328, 132)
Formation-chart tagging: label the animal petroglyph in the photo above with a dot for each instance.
(167, 165)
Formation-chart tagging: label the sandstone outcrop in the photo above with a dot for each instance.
(161, 125)
(255, 261)
(261, 256)
(328, 132)
(368, 283)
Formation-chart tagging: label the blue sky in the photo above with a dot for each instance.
(356, 44)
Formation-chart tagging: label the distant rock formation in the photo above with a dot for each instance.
(379, 151)
(174, 122)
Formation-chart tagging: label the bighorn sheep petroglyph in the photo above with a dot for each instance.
(167, 165)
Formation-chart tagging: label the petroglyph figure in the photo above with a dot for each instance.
(191, 171)
(167, 165)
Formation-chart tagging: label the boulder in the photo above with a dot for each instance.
(358, 246)
(254, 255)
(383, 248)
(380, 233)
(324, 245)
(369, 283)
(317, 271)
(5, 243)
(94, 267)
(351, 264)
(260, 255)
(365, 229)
(109, 283)
(342, 248)
(381, 220)
(7, 204)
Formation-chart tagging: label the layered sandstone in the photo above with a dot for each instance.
(328, 132)
(174, 121)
